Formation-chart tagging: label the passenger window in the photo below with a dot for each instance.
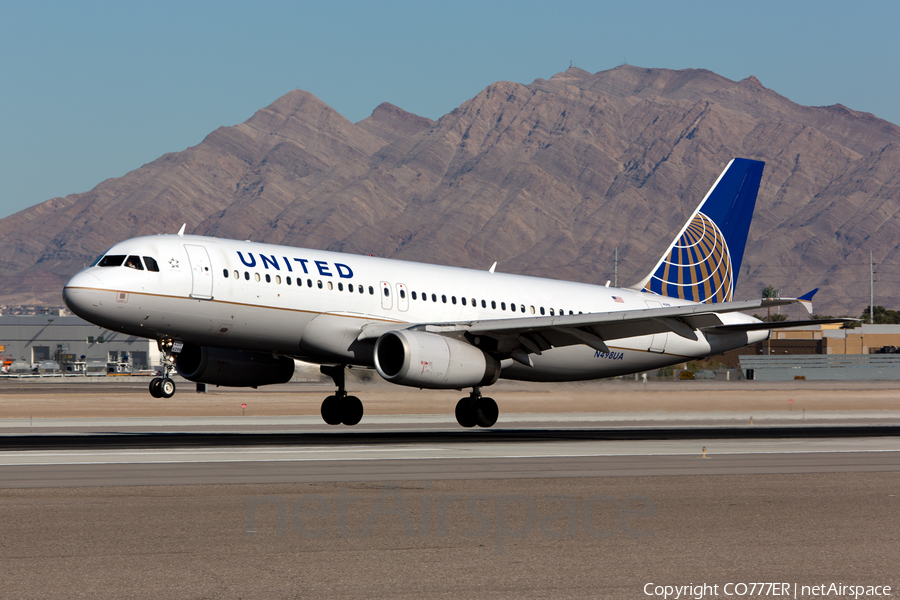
(463, 300)
(403, 293)
(350, 287)
(309, 283)
(256, 276)
(112, 260)
(268, 278)
(371, 291)
(414, 296)
(247, 275)
(225, 273)
(236, 274)
(532, 310)
(483, 304)
(330, 286)
(503, 306)
(522, 308)
(444, 298)
(512, 306)
(278, 279)
(434, 297)
(360, 289)
(319, 284)
(542, 310)
(551, 312)
(387, 292)
(494, 304)
(151, 264)
(287, 280)
(340, 286)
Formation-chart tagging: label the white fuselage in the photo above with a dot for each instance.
(312, 304)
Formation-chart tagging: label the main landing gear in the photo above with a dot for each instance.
(340, 408)
(164, 387)
(477, 410)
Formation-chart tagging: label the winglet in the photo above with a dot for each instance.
(806, 300)
(493, 266)
(181, 231)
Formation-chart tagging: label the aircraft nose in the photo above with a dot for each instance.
(82, 294)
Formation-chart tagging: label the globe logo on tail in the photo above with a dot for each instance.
(697, 267)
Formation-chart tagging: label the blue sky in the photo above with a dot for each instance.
(91, 90)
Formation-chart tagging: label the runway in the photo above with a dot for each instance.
(570, 505)
(389, 455)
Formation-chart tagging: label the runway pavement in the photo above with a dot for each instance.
(410, 506)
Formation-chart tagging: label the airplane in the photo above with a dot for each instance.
(238, 313)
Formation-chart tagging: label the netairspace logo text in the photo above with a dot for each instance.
(765, 590)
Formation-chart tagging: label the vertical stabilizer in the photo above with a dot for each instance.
(703, 262)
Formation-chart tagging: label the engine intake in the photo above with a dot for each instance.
(428, 360)
(233, 368)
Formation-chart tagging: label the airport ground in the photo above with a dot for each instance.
(436, 515)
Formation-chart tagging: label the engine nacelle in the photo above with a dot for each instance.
(428, 360)
(232, 368)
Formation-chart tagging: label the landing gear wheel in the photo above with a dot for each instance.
(486, 412)
(154, 387)
(465, 413)
(351, 410)
(331, 410)
(166, 388)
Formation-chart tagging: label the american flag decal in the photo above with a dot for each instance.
(618, 299)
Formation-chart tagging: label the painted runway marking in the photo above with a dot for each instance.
(136, 459)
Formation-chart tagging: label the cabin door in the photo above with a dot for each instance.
(201, 272)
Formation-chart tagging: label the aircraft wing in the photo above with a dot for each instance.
(536, 334)
(533, 335)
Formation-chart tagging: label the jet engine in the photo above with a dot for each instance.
(427, 360)
(232, 368)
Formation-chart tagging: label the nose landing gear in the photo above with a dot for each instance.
(340, 408)
(477, 410)
(164, 387)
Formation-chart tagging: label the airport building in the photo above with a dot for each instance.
(33, 342)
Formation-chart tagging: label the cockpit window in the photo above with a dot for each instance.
(151, 264)
(112, 260)
(134, 262)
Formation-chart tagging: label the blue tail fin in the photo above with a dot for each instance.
(703, 262)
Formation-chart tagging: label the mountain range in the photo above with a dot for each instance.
(548, 179)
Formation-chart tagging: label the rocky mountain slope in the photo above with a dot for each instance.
(546, 178)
